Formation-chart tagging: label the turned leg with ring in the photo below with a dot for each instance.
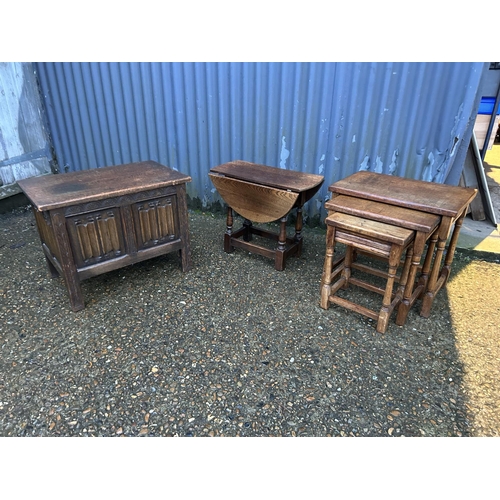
(279, 258)
(229, 231)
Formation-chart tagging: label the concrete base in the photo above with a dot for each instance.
(484, 236)
(479, 235)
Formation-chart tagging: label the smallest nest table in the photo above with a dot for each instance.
(94, 221)
(260, 193)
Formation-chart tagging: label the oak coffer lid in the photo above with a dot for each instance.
(60, 190)
(269, 176)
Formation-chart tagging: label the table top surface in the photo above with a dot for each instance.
(269, 176)
(440, 199)
(55, 191)
(383, 212)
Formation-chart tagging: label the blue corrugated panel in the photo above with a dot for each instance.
(406, 119)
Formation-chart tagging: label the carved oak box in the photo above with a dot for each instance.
(94, 221)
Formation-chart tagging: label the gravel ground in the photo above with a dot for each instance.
(235, 348)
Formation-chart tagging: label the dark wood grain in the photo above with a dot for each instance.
(383, 212)
(55, 191)
(261, 193)
(279, 178)
(256, 202)
(450, 203)
(373, 238)
(431, 197)
(95, 221)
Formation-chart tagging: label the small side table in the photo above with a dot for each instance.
(260, 193)
(94, 221)
(424, 225)
(450, 203)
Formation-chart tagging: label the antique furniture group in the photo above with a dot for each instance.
(94, 221)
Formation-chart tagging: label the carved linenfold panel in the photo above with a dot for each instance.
(156, 221)
(166, 218)
(119, 201)
(84, 240)
(153, 223)
(96, 237)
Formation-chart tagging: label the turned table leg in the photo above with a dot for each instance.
(279, 262)
(385, 311)
(426, 268)
(450, 252)
(298, 231)
(326, 280)
(432, 285)
(228, 248)
(409, 285)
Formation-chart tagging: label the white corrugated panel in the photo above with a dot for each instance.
(24, 147)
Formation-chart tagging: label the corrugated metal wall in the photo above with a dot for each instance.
(408, 119)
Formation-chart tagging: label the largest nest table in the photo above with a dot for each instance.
(94, 221)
